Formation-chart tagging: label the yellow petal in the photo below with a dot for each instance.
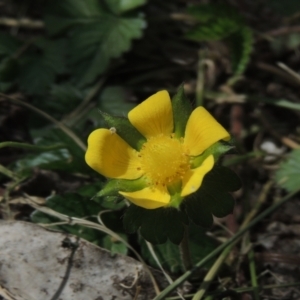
(149, 198)
(202, 131)
(192, 180)
(154, 116)
(111, 156)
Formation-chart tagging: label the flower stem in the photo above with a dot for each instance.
(200, 79)
(184, 250)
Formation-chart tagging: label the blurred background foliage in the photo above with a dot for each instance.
(63, 61)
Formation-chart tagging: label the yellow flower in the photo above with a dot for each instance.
(165, 162)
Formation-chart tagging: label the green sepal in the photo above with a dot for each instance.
(176, 198)
(110, 202)
(182, 110)
(218, 149)
(113, 186)
(213, 197)
(125, 130)
(157, 225)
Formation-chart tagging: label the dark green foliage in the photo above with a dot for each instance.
(216, 21)
(70, 159)
(95, 35)
(213, 197)
(240, 44)
(38, 68)
(64, 98)
(84, 37)
(8, 45)
(115, 246)
(9, 65)
(9, 68)
(114, 100)
(214, 30)
(157, 225)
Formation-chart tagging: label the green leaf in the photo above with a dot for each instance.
(240, 46)
(182, 110)
(8, 44)
(167, 254)
(115, 246)
(113, 186)
(213, 11)
(216, 21)
(224, 178)
(157, 225)
(119, 6)
(63, 99)
(96, 35)
(39, 68)
(219, 21)
(61, 15)
(288, 174)
(133, 218)
(9, 68)
(70, 159)
(36, 75)
(46, 160)
(114, 100)
(212, 198)
(197, 210)
(213, 31)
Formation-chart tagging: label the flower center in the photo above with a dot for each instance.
(164, 160)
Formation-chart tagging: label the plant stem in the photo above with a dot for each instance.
(184, 250)
(253, 272)
(200, 79)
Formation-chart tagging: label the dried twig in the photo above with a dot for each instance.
(22, 22)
